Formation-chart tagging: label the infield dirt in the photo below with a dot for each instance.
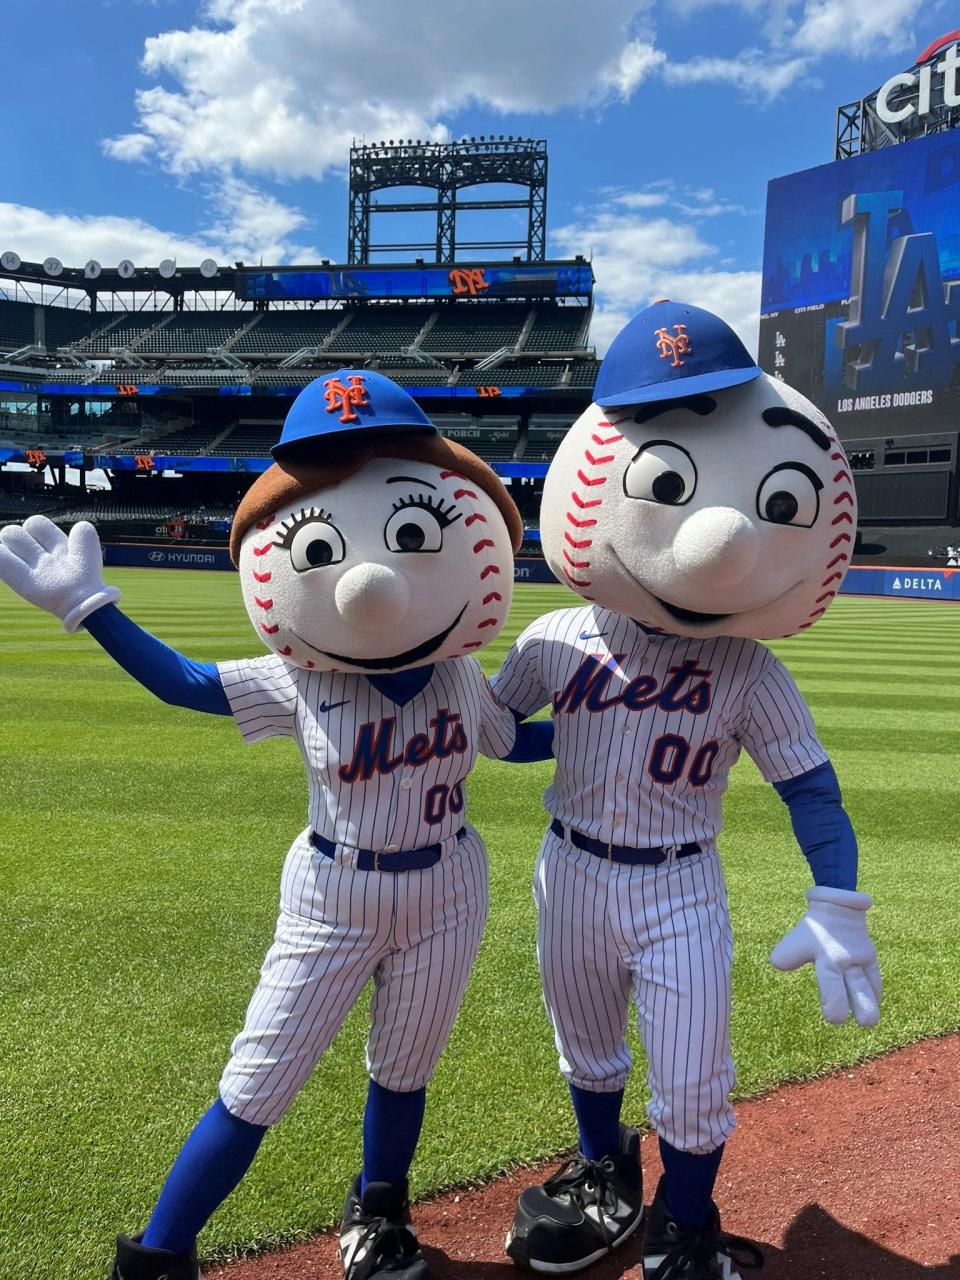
(852, 1177)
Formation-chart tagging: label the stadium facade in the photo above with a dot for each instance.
(174, 381)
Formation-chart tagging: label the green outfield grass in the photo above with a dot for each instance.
(141, 848)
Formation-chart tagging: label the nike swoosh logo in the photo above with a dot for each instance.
(324, 707)
(592, 635)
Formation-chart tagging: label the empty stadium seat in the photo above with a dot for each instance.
(558, 329)
(281, 333)
(194, 332)
(388, 328)
(16, 325)
(478, 327)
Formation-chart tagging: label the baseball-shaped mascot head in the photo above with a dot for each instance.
(698, 495)
(373, 544)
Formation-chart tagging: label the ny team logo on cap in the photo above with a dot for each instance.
(671, 349)
(675, 345)
(339, 396)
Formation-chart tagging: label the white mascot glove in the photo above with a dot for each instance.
(60, 574)
(833, 937)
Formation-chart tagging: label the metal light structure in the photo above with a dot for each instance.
(923, 100)
(447, 168)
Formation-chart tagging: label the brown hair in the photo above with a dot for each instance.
(289, 478)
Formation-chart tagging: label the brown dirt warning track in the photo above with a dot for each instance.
(852, 1177)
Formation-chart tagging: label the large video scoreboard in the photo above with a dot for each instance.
(860, 304)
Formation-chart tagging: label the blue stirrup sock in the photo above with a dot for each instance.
(598, 1121)
(391, 1129)
(689, 1183)
(211, 1162)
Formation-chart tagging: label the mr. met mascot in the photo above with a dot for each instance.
(698, 507)
(375, 559)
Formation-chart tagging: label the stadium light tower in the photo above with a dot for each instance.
(447, 168)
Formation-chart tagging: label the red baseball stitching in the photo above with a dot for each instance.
(481, 546)
(845, 495)
(587, 477)
(266, 604)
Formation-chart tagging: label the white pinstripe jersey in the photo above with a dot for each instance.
(647, 726)
(382, 775)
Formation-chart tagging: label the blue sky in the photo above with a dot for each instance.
(155, 128)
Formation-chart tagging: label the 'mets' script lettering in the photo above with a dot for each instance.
(686, 689)
(374, 749)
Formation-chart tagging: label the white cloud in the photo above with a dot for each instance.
(754, 73)
(637, 259)
(282, 87)
(636, 62)
(248, 226)
(858, 27)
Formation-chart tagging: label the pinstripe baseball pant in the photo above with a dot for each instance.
(662, 934)
(415, 933)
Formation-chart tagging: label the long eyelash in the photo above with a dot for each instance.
(444, 511)
(287, 528)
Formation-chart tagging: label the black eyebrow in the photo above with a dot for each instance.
(782, 417)
(700, 405)
(410, 480)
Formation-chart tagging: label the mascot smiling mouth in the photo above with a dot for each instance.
(687, 615)
(691, 616)
(414, 655)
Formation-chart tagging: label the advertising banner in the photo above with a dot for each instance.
(515, 280)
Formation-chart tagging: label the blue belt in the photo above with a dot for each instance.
(621, 852)
(398, 860)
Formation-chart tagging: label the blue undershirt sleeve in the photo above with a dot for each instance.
(534, 741)
(821, 825)
(174, 679)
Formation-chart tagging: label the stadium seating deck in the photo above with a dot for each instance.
(16, 325)
(123, 333)
(558, 329)
(63, 326)
(194, 332)
(511, 375)
(482, 327)
(387, 328)
(248, 440)
(281, 333)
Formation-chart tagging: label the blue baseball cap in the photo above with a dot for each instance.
(670, 350)
(347, 402)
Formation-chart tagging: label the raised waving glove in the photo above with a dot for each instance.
(833, 937)
(60, 574)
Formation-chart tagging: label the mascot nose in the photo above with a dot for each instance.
(372, 597)
(716, 546)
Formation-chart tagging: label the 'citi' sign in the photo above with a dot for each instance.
(912, 92)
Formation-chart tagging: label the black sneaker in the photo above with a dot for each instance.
(583, 1212)
(670, 1253)
(377, 1239)
(134, 1262)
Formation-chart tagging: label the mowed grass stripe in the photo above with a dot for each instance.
(140, 856)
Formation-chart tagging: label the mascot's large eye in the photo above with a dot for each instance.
(661, 472)
(312, 541)
(417, 524)
(790, 494)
